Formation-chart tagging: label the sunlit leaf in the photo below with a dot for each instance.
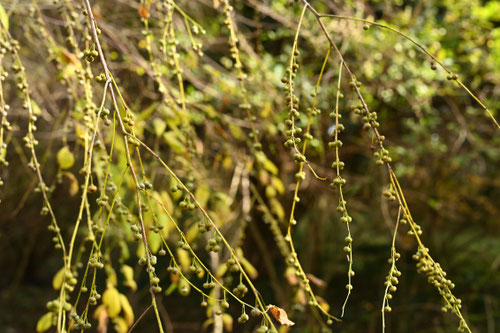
(58, 279)
(278, 185)
(35, 108)
(65, 158)
(154, 241)
(184, 287)
(45, 322)
(192, 232)
(249, 268)
(128, 273)
(120, 325)
(174, 143)
(159, 126)
(128, 312)
(183, 258)
(227, 320)
(266, 163)
(111, 298)
(202, 194)
(4, 18)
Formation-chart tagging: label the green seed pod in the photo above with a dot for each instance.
(243, 318)
(255, 312)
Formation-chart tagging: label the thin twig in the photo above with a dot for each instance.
(139, 319)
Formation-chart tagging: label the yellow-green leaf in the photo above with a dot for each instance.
(100, 311)
(192, 232)
(121, 325)
(128, 274)
(174, 143)
(35, 108)
(166, 201)
(125, 252)
(227, 320)
(141, 251)
(236, 131)
(249, 268)
(67, 71)
(266, 163)
(154, 241)
(202, 194)
(278, 185)
(183, 259)
(4, 18)
(45, 322)
(58, 279)
(65, 158)
(270, 191)
(221, 270)
(171, 289)
(127, 310)
(159, 126)
(277, 208)
(184, 287)
(111, 298)
(112, 278)
(207, 323)
(227, 162)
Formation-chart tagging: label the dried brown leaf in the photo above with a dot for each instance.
(143, 11)
(280, 315)
(317, 281)
(102, 319)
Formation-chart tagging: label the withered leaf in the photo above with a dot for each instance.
(143, 11)
(280, 315)
(317, 281)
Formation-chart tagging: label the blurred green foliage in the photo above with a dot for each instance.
(444, 147)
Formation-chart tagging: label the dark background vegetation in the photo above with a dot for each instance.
(446, 154)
